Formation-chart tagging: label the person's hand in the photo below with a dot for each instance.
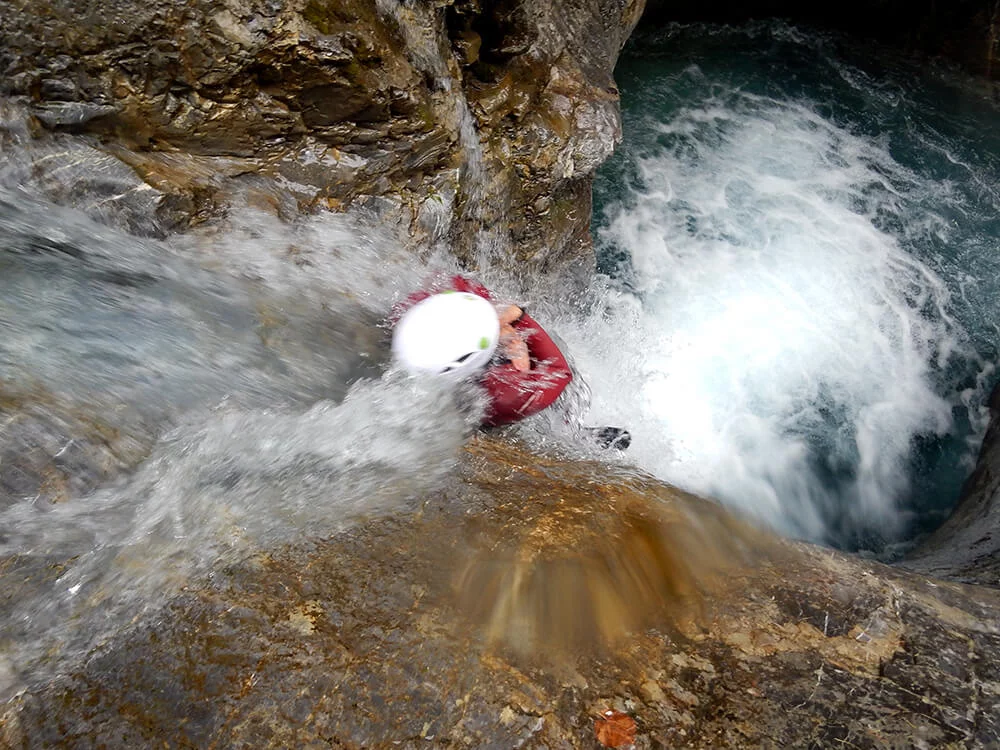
(509, 314)
(512, 344)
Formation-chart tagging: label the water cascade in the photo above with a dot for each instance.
(246, 371)
(796, 316)
(800, 248)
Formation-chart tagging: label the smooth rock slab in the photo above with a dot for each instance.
(374, 638)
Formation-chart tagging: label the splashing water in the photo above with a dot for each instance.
(149, 340)
(800, 318)
(802, 308)
(247, 365)
(213, 494)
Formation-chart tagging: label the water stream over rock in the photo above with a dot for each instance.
(225, 519)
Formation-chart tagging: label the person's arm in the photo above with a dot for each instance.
(543, 349)
(515, 395)
(510, 315)
(461, 284)
(512, 343)
(456, 283)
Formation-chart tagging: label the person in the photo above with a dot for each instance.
(442, 331)
(455, 328)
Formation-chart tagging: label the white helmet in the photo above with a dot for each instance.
(452, 332)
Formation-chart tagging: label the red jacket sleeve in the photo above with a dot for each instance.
(457, 283)
(462, 284)
(515, 395)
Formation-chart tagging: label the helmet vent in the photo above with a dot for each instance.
(457, 362)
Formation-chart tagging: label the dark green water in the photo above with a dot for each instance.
(810, 229)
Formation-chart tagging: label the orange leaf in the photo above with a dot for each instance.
(615, 729)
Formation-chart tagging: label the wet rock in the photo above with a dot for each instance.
(326, 103)
(75, 172)
(546, 108)
(537, 593)
(967, 546)
(51, 452)
(367, 639)
(57, 114)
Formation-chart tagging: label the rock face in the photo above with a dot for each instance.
(967, 546)
(361, 640)
(442, 116)
(53, 452)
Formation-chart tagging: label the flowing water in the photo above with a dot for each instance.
(801, 238)
(249, 364)
(797, 316)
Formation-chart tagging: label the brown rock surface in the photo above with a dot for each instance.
(534, 595)
(55, 452)
(327, 103)
(360, 640)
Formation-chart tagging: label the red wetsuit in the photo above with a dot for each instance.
(513, 394)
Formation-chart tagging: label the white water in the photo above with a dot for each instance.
(251, 362)
(780, 345)
(215, 493)
(250, 359)
(237, 367)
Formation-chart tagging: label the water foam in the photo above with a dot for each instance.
(254, 359)
(779, 340)
(214, 493)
